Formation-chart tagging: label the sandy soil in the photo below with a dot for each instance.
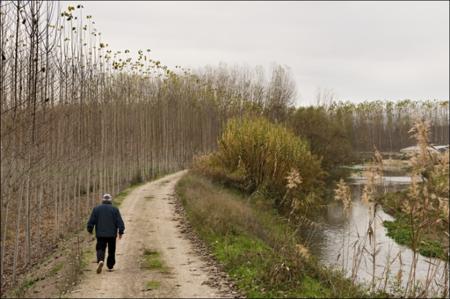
(152, 222)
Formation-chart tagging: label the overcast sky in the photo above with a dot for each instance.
(363, 51)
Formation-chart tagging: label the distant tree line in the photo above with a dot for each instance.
(386, 124)
(341, 129)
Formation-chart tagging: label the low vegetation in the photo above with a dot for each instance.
(151, 260)
(152, 285)
(59, 273)
(256, 246)
(56, 268)
(434, 240)
(430, 246)
(23, 287)
(421, 212)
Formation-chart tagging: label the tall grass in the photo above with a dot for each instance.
(260, 250)
(421, 210)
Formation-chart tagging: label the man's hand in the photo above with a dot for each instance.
(120, 236)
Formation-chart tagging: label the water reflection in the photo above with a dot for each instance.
(343, 242)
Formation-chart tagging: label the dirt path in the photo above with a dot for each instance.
(152, 223)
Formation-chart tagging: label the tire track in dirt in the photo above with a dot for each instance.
(152, 222)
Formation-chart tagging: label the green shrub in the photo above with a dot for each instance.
(255, 154)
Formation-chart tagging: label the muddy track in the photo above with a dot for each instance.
(152, 222)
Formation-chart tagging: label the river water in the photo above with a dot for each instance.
(342, 242)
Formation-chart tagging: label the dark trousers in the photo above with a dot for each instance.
(101, 248)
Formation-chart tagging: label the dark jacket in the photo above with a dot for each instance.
(107, 220)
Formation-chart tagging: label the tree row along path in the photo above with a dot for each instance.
(153, 224)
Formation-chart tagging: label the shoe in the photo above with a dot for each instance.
(99, 267)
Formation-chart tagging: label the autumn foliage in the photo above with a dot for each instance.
(255, 154)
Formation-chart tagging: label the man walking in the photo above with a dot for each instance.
(107, 222)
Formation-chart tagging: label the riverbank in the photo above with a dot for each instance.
(435, 238)
(256, 246)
